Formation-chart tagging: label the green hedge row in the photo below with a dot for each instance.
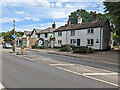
(82, 49)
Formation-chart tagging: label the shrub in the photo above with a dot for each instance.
(64, 48)
(116, 46)
(82, 49)
(90, 50)
(34, 46)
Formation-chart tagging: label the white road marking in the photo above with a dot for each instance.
(83, 66)
(88, 77)
(1, 86)
(100, 74)
(61, 64)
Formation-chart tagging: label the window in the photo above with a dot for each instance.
(38, 35)
(25, 42)
(46, 35)
(90, 31)
(59, 33)
(59, 41)
(73, 32)
(72, 41)
(90, 41)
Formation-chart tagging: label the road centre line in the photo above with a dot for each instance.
(89, 77)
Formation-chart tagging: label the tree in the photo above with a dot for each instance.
(113, 13)
(86, 16)
(8, 35)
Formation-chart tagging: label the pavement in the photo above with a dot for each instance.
(102, 56)
(44, 70)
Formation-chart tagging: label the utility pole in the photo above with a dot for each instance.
(14, 25)
(14, 34)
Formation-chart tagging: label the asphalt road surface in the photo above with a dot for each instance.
(43, 70)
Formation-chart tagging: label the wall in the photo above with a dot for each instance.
(82, 35)
(63, 38)
(106, 36)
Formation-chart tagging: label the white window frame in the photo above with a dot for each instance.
(60, 33)
(72, 32)
(72, 41)
(59, 42)
(90, 31)
(90, 44)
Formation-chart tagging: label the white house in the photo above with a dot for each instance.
(42, 37)
(45, 36)
(24, 40)
(96, 34)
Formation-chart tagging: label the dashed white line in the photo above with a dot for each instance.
(88, 77)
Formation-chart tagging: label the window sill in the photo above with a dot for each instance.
(72, 35)
(89, 45)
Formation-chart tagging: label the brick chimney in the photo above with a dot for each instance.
(54, 25)
(95, 16)
(68, 22)
(79, 20)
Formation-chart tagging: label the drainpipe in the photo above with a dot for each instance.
(100, 37)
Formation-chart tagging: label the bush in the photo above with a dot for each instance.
(82, 49)
(90, 50)
(64, 48)
(116, 46)
(34, 46)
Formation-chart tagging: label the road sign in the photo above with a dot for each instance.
(54, 38)
(14, 36)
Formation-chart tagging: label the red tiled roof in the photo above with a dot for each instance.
(82, 25)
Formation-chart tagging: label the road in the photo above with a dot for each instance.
(43, 70)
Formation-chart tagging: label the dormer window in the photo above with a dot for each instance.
(90, 31)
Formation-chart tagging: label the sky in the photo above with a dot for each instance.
(40, 14)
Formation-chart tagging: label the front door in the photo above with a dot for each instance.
(78, 42)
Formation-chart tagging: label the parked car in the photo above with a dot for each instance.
(7, 45)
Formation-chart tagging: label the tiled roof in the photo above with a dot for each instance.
(84, 25)
(28, 32)
(47, 30)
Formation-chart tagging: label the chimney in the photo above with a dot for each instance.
(68, 22)
(95, 16)
(79, 20)
(54, 25)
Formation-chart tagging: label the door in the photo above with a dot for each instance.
(78, 42)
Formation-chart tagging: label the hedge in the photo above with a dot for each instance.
(82, 49)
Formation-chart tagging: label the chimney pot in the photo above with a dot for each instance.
(95, 16)
(68, 22)
(54, 25)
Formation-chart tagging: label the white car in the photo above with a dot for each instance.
(7, 45)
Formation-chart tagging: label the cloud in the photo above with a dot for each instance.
(20, 12)
(9, 20)
(32, 18)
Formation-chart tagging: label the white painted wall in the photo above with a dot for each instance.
(63, 38)
(34, 35)
(82, 35)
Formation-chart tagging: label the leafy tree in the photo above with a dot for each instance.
(86, 16)
(8, 35)
(113, 13)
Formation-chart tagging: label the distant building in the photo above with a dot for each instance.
(1, 40)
